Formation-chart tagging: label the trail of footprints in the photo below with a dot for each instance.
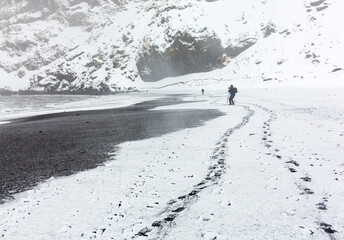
(177, 205)
(292, 166)
(217, 168)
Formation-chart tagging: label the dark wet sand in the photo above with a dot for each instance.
(36, 148)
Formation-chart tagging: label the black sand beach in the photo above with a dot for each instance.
(34, 149)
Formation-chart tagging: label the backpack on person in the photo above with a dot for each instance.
(235, 90)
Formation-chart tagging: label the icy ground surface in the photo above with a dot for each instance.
(271, 168)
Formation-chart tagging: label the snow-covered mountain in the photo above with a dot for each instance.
(117, 45)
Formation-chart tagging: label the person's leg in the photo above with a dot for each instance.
(230, 100)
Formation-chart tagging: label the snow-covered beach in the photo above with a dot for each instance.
(270, 168)
(38, 147)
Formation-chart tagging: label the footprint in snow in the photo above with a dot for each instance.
(210, 235)
(306, 179)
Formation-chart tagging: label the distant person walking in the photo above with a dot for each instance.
(202, 91)
(231, 93)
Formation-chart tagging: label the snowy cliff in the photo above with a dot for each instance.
(102, 46)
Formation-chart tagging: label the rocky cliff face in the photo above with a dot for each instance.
(186, 54)
(37, 35)
(104, 46)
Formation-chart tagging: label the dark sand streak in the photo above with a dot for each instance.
(34, 149)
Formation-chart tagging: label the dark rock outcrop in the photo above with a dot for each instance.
(317, 3)
(269, 29)
(234, 50)
(186, 54)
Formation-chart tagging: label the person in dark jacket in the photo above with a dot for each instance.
(232, 91)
